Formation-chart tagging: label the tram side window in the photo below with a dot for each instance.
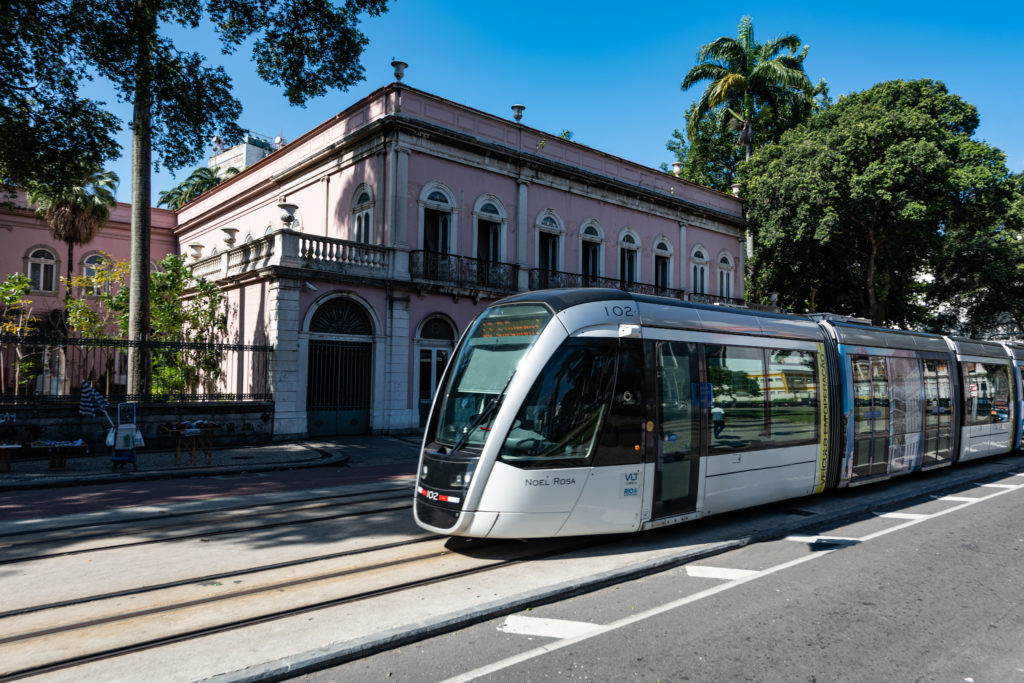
(761, 398)
(677, 378)
(739, 418)
(986, 393)
(558, 422)
(793, 396)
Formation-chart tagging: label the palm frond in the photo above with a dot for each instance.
(703, 72)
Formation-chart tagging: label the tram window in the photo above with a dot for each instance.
(558, 422)
(793, 397)
(677, 378)
(738, 410)
(986, 393)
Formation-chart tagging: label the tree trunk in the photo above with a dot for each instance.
(870, 275)
(139, 366)
(67, 282)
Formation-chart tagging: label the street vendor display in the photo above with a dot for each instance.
(193, 436)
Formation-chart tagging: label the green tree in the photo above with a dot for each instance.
(850, 207)
(744, 76)
(75, 213)
(179, 101)
(198, 182)
(46, 127)
(16, 320)
(977, 282)
(709, 155)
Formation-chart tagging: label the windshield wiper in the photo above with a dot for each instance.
(489, 409)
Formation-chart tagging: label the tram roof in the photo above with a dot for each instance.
(975, 347)
(863, 335)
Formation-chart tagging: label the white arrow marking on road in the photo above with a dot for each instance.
(546, 628)
(702, 572)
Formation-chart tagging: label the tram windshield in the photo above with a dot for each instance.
(483, 370)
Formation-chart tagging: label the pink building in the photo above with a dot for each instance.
(363, 249)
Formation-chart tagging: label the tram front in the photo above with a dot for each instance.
(525, 421)
(466, 409)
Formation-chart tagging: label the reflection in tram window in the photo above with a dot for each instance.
(986, 393)
(792, 397)
(560, 417)
(769, 397)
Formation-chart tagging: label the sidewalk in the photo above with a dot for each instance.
(398, 452)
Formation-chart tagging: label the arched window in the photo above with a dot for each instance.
(490, 218)
(663, 264)
(629, 247)
(435, 342)
(91, 266)
(725, 272)
(41, 268)
(362, 215)
(437, 218)
(549, 231)
(591, 241)
(699, 270)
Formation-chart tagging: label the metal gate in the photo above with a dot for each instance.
(339, 383)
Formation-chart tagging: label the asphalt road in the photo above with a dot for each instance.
(932, 591)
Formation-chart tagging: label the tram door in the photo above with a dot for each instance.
(938, 414)
(871, 416)
(677, 470)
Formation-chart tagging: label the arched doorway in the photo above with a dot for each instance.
(339, 380)
(435, 341)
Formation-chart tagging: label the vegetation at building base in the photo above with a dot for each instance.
(178, 101)
(854, 209)
(17, 321)
(182, 307)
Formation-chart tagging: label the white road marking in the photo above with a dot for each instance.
(1001, 486)
(822, 539)
(901, 515)
(714, 590)
(547, 628)
(702, 572)
(958, 499)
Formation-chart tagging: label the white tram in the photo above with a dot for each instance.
(591, 411)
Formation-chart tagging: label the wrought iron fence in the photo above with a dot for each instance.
(51, 369)
(463, 271)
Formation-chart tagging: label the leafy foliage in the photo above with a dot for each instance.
(198, 182)
(16, 319)
(745, 76)
(850, 207)
(75, 212)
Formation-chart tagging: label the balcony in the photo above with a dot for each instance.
(714, 299)
(556, 279)
(464, 272)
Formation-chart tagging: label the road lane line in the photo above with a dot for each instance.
(703, 572)
(546, 628)
(1001, 486)
(901, 515)
(958, 499)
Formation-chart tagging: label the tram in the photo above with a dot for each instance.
(595, 411)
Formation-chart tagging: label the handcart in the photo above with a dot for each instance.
(126, 438)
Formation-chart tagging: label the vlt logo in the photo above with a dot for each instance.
(630, 484)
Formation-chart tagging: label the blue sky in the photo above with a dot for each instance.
(610, 72)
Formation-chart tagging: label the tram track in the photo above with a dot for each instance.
(61, 636)
(163, 515)
(366, 507)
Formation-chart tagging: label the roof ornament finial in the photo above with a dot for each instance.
(399, 66)
(517, 111)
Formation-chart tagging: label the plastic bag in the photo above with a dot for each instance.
(110, 438)
(138, 438)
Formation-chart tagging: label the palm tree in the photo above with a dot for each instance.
(746, 75)
(198, 182)
(77, 212)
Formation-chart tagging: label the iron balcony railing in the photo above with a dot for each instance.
(556, 279)
(462, 271)
(702, 298)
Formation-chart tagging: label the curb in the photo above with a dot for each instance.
(340, 653)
